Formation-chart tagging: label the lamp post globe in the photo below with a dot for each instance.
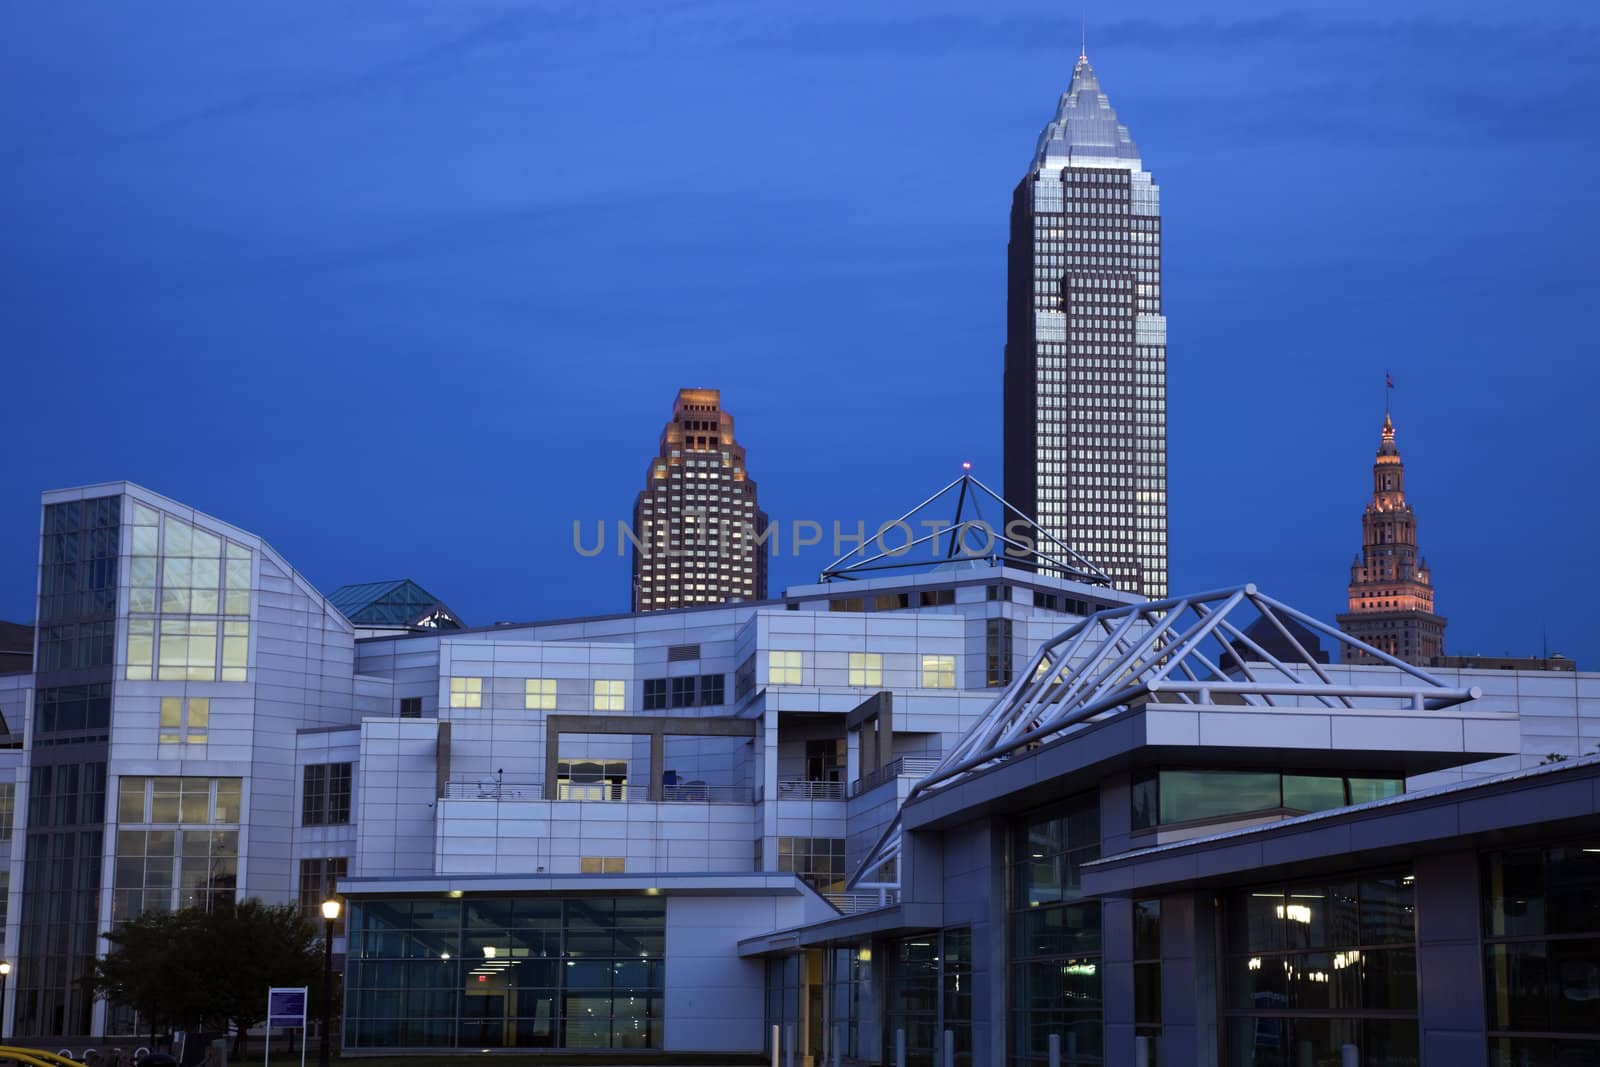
(5, 972)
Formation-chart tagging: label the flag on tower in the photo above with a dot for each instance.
(1388, 380)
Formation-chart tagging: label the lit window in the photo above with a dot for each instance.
(866, 668)
(608, 694)
(938, 672)
(783, 668)
(466, 692)
(539, 694)
(185, 721)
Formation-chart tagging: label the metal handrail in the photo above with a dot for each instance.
(905, 766)
(526, 789)
(808, 789)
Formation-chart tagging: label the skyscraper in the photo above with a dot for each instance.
(696, 522)
(1086, 344)
(1391, 590)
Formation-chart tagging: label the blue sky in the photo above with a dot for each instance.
(407, 288)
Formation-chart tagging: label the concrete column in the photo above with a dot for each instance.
(1116, 978)
(1451, 1015)
(658, 763)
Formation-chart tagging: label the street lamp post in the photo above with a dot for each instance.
(330, 914)
(5, 972)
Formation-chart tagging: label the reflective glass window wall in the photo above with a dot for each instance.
(1055, 935)
(1322, 973)
(1182, 796)
(930, 993)
(500, 972)
(1542, 954)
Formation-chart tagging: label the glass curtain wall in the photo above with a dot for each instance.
(525, 972)
(1055, 935)
(1318, 972)
(930, 992)
(1542, 954)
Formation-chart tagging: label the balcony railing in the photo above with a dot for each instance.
(905, 766)
(856, 903)
(596, 792)
(806, 789)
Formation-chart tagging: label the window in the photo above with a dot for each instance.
(783, 668)
(819, 861)
(189, 598)
(539, 694)
(655, 694)
(1541, 924)
(1169, 797)
(325, 798)
(8, 808)
(744, 678)
(185, 721)
(608, 695)
(319, 879)
(683, 692)
(602, 865)
(564, 972)
(938, 672)
(1056, 947)
(72, 709)
(930, 992)
(711, 692)
(866, 669)
(997, 651)
(582, 779)
(1319, 965)
(1147, 971)
(1047, 601)
(411, 707)
(929, 598)
(170, 852)
(466, 692)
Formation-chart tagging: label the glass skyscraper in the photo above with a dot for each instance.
(1086, 343)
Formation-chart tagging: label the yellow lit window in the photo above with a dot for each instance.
(938, 672)
(539, 694)
(171, 720)
(783, 668)
(866, 668)
(608, 694)
(466, 692)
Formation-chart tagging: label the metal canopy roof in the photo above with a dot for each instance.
(1183, 650)
(984, 526)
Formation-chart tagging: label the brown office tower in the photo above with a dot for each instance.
(1391, 593)
(699, 534)
(1086, 344)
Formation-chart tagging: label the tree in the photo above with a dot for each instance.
(204, 970)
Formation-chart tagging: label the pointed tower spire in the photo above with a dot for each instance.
(1083, 39)
(1391, 590)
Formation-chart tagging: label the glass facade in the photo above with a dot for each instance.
(503, 972)
(177, 844)
(60, 896)
(1542, 954)
(1055, 960)
(1167, 797)
(1318, 971)
(819, 861)
(188, 601)
(79, 572)
(930, 992)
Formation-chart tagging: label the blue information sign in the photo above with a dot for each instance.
(286, 1007)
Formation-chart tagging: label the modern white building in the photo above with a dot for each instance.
(629, 831)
